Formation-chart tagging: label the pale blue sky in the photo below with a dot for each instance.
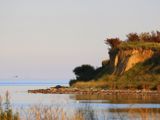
(46, 39)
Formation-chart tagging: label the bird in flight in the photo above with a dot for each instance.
(16, 76)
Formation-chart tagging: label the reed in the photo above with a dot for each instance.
(6, 112)
(145, 113)
(42, 112)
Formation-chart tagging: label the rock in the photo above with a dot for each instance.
(58, 86)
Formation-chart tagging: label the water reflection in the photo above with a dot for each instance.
(118, 107)
(89, 107)
(120, 99)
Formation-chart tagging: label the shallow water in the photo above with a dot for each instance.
(114, 107)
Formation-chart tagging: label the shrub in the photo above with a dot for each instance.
(133, 37)
(71, 82)
(113, 42)
(84, 72)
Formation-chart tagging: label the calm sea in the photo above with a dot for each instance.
(108, 105)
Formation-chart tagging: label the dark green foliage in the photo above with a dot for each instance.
(71, 82)
(153, 64)
(113, 52)
(104, 70)
(99, 72)
(141, 76)
(88, 72)
(105, 63)
(154, 60)
(84, 72)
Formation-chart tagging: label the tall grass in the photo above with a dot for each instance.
(91, 84)
(41, 112)
(45, 113)
(144, 114)
(6, 112)
(142, 45)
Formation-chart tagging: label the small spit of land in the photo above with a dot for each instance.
(93, 91)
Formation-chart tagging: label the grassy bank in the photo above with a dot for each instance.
(91, 84)
(139, 45)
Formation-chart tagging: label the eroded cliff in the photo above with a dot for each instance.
(122, 60)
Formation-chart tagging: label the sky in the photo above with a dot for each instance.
(47, 39)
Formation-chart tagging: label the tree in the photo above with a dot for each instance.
(145, 37)
(155, 36)
(158, 36)
(84, 72)
(133, 37)
(113, 42)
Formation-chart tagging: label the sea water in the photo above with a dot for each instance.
(102, 105)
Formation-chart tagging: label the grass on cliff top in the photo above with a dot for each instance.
(136, 45)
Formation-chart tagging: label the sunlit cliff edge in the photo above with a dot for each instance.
(124, 60)
(132, 64)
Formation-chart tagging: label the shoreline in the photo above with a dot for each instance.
(93, 91)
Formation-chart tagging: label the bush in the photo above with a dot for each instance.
(105, 63)
(113, 42)
(71, 82)
(133, 37)
(84, 72)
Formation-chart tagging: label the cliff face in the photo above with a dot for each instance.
(123, 60)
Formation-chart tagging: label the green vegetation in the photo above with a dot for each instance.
(145, 75)
(137, 45)
(142, 76)
(86, 73)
